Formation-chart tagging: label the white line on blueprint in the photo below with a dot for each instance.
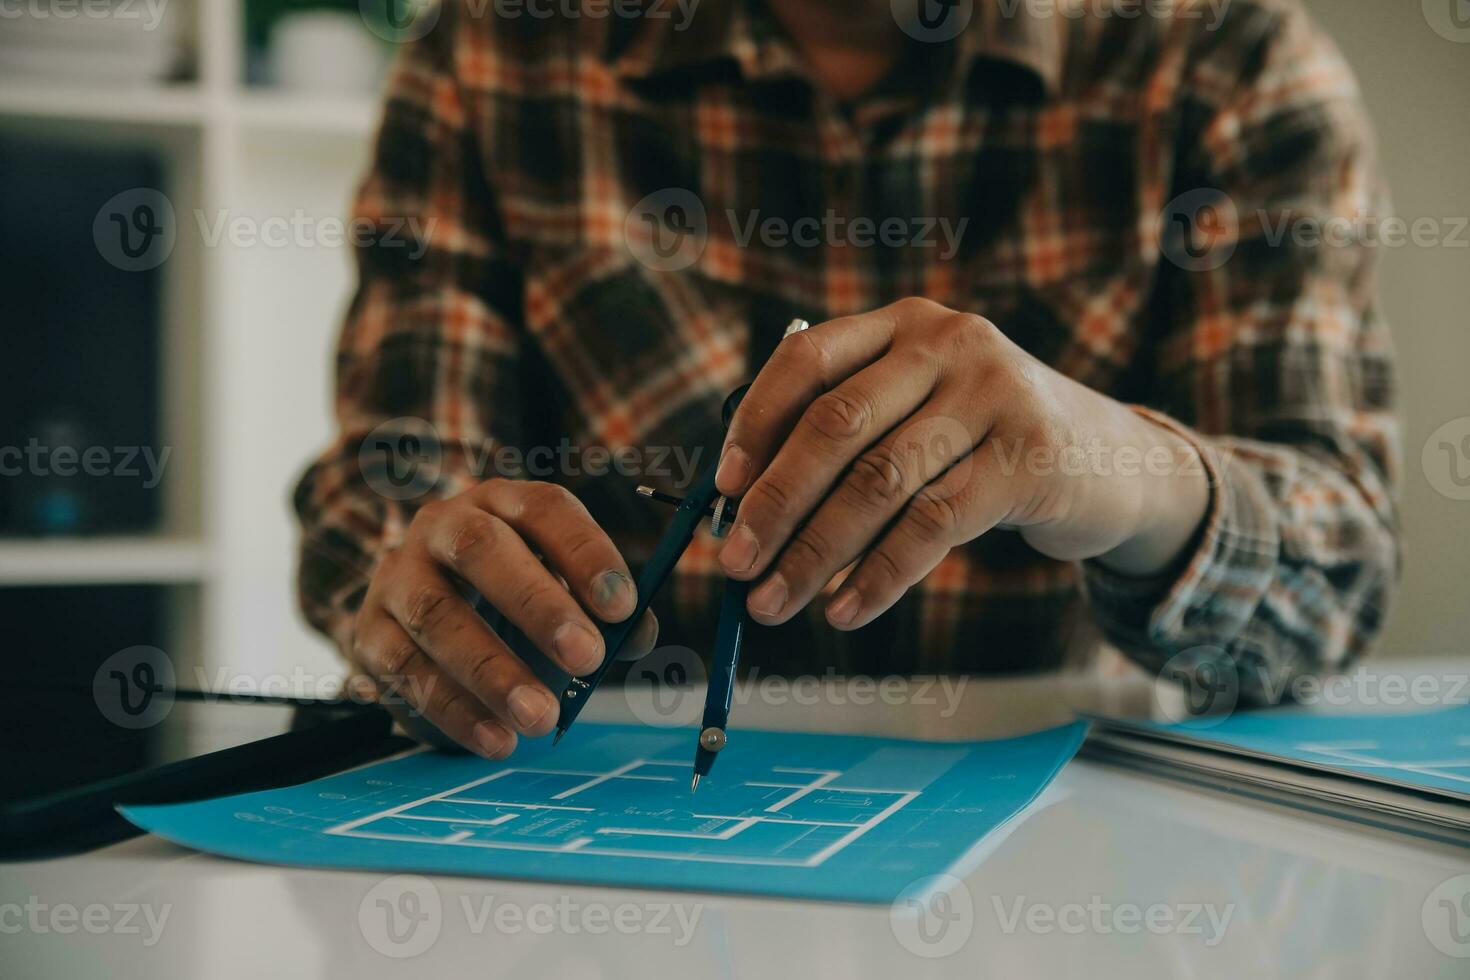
(825, 778)
(732, 825)
(1350, 752)
(736, 826)
(530, 806)
(599, 780)
(503, 818)
(861, 829)
(394, 811)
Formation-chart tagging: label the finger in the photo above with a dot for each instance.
(803, 366)
(865, 501)
(642, 640)
(553, 521)
(832, 432)
(964, 503)
(415, 689)
(491, 556)
(456, 638)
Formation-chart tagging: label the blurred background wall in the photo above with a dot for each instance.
(254, 116)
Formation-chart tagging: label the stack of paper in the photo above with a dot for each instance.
(1404, 771)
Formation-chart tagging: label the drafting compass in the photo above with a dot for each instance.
(703, 503)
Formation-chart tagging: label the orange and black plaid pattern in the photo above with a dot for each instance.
(529, 312)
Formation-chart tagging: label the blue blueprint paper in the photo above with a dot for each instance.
(800, 815)
(1427, 750)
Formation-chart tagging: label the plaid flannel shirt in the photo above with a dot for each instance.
(520, 306)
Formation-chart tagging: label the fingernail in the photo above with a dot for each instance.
(528, 705)
(362, 689)
(740, 550)
(490, 738)
(645, 637)
(770, 598)
(842, 610)
(578, 648)
(615, 594)
(734, 470)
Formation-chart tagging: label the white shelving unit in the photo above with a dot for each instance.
(247, 345)
(179, 105)
(152, 560)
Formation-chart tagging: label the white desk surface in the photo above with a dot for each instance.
(1306, 897)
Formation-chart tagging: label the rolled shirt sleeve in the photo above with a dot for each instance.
(1270, 358)
(426, 362)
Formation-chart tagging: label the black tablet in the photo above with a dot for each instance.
(70, 757)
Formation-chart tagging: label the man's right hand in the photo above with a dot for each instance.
(417, 636)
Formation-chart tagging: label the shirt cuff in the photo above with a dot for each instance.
(332, 578)
(1212, 599)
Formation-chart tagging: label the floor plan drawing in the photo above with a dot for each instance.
(796, 814)
(792, 818)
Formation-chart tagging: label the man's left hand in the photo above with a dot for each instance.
(888, 438)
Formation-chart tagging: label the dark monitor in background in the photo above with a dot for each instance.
(81, 363)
